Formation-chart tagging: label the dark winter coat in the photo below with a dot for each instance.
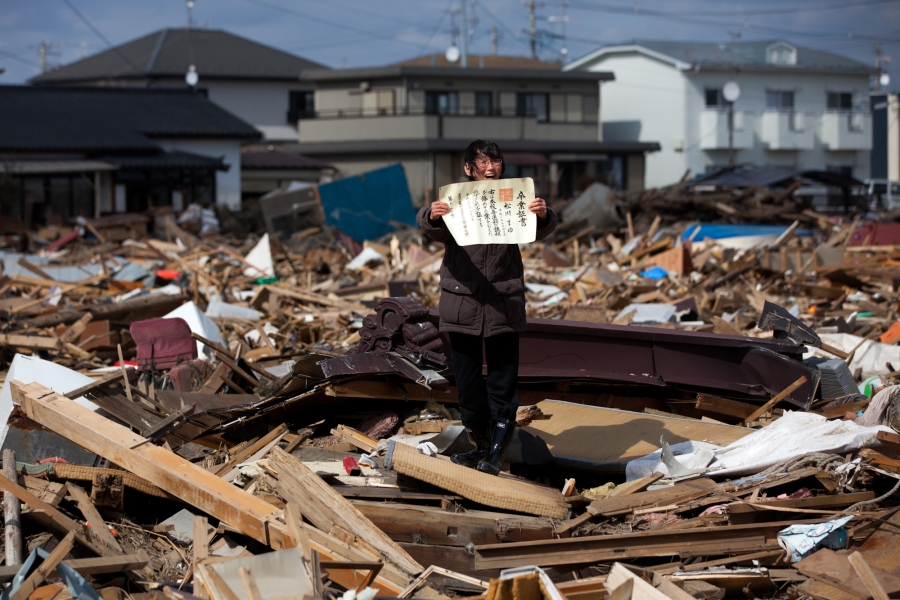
(483, 285)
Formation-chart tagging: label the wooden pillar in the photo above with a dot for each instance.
(12, 509)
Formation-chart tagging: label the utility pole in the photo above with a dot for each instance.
(465, 36)
(532, 28)
(494, 40)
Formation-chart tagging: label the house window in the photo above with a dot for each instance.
(840, 101)
(531, 105)
(484, 103)
(301, 105)
(714, 98)
(779, 100)
(441, 103)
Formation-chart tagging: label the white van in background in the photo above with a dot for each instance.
(883, 194)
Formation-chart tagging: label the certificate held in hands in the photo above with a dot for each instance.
(490, 211)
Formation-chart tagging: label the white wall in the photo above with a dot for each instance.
(645, 103)
(810, 97)
(228, 183)
(653, 101)
(262, 104)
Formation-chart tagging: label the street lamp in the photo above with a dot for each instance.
(731, 91)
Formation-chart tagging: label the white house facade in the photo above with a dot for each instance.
(798, 108)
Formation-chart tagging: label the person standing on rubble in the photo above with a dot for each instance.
(483, 304)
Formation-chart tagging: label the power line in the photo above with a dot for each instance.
(438, 27)
(740, 13)
(24, 61)
(101, 36)
(327, 22)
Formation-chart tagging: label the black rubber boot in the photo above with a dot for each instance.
(472, 457)
(501, 436)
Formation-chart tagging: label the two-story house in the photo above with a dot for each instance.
(257, 83)
(797, 107)
(423, 114)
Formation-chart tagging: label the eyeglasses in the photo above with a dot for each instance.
(483, 162)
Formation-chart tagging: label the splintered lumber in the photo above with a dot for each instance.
(775, 400)
(837, 570)
(145, 307)
(867, 576)
(355, 438)
(32, 342)
(89, 566)
(573, 431)
(190, 483)
(626, 489)
(700, 541)
(432, 525)
(52, 518)
(678, 493)
(327, 509)
(170, 472)
(503, 493)
(92, 516)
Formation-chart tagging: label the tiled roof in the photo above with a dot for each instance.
(98, 119)
(167, 53)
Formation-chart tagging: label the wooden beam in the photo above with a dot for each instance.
(51, 518)
(32, 342)
(92, 516)
(170, 472)
(327, 510)
(89, 566)
(775, 400)
(865, 573)
(251, 449)
(724, 406)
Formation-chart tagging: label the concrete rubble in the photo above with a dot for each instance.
(709, 410)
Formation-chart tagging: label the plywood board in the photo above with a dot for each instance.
(498, 492)
(617, 436)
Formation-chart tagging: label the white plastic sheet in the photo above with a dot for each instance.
(871, 356)
(793, 435)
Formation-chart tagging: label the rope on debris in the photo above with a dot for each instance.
(822, 460)
(859, 505)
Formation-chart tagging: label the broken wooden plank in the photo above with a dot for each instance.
(836, 569)
(680, 492)
(724, 406)
(503, 493)
(250, 449)
(326, 509)
(169, 471)
(355, 438)
(51, 518)
(48, 491)
(89, 566)
(92, 516)
(435, 526)
(700, 541)
(627, 488)
(775, 400)
(865, 573)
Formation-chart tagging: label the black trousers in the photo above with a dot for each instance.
(480, 398)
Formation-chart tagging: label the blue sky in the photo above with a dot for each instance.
(352, 33)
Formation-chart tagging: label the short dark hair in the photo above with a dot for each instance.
(489, 149)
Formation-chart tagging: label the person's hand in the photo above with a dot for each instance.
(538, 206)
(439, 208)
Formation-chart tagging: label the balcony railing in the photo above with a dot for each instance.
(424, 126)
(847, 130)
(339, 113)
(786, 130)
(714, 130)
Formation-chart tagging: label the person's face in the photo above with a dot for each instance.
(484, 168)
